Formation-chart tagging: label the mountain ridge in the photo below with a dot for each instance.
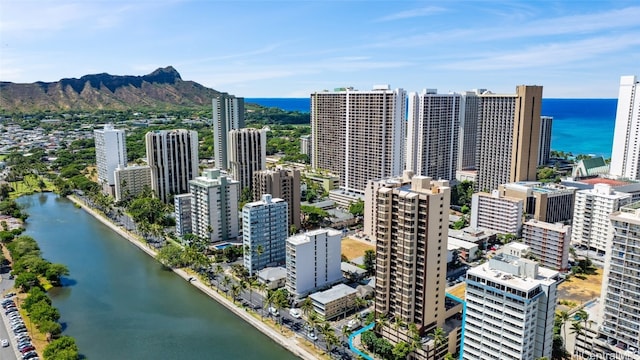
(162, 89)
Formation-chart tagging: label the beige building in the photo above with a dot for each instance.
(548, 243)
(411, 263)
(500, 213)
(508, 137)
(359, 135)
(371, 200)
(283, 184)
(334, 302)
(131, 181)
(548, 202)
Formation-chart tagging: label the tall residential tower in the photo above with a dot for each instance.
(173, 158)
(358, 135)
(111, 152)
(228, 114)
(625, 155)
(508, 137)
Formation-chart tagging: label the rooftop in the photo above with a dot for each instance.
(335, 293)
(305, 237)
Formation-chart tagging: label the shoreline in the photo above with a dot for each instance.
(288, 343)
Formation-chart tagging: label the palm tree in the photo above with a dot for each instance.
(216, 274)
(415, 336)
(576, 328)
(236, 289)
(253, 283)
(225, 282)
(564, 317)
(306, 306)
(397, 324)
(259, 252)
(312, 322)
(327, 331)
(346, 332)
(438, 337)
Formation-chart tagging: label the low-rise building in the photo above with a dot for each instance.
(500, 213)
(549, 243)
(273, 277)
(131, 181)
(334, 302)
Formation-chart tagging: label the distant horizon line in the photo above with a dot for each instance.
(548, 98)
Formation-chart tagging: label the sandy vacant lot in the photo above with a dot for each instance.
(580, 291)
(352, 248)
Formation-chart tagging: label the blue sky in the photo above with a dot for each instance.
(574, 49)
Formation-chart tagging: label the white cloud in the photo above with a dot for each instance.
(413, 13)
(553, 54)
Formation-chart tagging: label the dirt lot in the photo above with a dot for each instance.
(354, 248)
(578, 291)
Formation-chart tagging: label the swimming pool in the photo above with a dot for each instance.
(222, 246)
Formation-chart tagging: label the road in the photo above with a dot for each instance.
(255, 300)
(11, 352)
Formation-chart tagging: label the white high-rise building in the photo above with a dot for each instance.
(619, 330)
(591, 225)
(228, 114)
(214, 206)
(313, 261)
(359, 135)
(625, 155)
(433, 127)
(173, 158)
(111, 152)
(265, 228)
(510, 309)
(182, 212)
(247, 154)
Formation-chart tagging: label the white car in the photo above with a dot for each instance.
(4, 343)
(295, 313)
(273, 311)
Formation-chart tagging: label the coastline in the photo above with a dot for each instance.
(289, 343)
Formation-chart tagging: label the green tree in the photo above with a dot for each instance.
(63, 347)
(357, 208)
(312, 216)
(370, 262)
(26, 281)
(55, 272)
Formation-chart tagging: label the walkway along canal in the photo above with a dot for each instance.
(119, 303)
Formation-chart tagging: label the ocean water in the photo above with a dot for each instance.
(580, 126)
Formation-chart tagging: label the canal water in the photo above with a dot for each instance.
(119, 303)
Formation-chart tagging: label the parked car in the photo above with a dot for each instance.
(8, 295)
(295, 313)
(312, 336)
(30, 355)
(353, 324)
(4, 343)
(273, 311)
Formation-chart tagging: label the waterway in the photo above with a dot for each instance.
(119, 303)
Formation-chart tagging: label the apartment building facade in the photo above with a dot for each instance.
(283, 184)
(111, 153)
(500, 213)
(359, 135)
(625, 154)
(173, 158)
(228, 114)
(214, 206)
(264, 233)
(548, 243)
